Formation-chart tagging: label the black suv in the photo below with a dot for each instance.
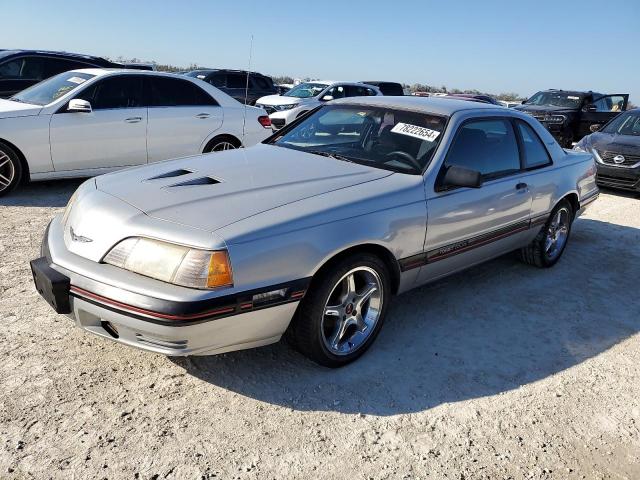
(234, 83)
(569, 114)
(20, 69)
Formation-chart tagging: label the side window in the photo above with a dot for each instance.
(54, 66)
(123, 91)
(218, 80)
(535, 153)
(610, 103)
(236, 80)
(173, 92)
(488, 146)
(336, 92)
(260, 82)
(355, 91)
(32, 68)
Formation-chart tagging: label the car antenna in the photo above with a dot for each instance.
(246, 90)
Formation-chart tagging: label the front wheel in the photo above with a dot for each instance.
(343, 311)
(10, 169)
(547, 248)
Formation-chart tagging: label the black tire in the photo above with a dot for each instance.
(10, 169)
(535, 253)
(216, 143)
(305, 332)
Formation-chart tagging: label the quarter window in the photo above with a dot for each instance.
(487, 146)
(173, 92)
(535, 153)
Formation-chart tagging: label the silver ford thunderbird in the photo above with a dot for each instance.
(309, 234)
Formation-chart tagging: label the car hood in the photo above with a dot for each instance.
(622, 144)
(212, 191)
(10, 109)
(280, 100)
(543, 109)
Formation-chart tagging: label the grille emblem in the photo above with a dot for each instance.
(78, 238)
(618, 159)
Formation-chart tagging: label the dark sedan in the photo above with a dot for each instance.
(616, 148)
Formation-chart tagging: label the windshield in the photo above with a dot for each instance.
(556, 99)
(385, 138)
(47, 91)
(624, 124)
(306, 90)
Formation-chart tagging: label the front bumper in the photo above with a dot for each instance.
(616, 177)
(167, 326)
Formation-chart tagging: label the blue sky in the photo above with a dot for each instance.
(492, 45)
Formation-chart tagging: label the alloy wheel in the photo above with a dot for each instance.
(352, 310)
(557, 234)
(7, 171)
(221, 146)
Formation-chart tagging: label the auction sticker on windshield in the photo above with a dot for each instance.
(77, 80)
(415, 131)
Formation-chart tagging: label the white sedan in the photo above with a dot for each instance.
(302, 98)
(88, 122)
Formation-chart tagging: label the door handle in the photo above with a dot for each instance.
(133, 119)
(203, 115)
(521, 186)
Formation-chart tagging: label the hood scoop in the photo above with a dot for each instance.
(196, 181)
(171, 174)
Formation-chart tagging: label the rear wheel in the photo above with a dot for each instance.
(221, 143)
(343, 311)
(10, 169)
(547, 248)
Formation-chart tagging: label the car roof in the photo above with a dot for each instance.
(434, 105)
(125, 71)
(230, 70)
(11, 53)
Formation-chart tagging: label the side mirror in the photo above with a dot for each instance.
(326, 98)
(78, 105)
(594, 128)
(461, 177)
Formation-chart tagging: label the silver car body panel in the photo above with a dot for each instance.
(283, 214)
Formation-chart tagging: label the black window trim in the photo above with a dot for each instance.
(439, 188)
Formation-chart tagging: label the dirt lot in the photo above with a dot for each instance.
(504, 371)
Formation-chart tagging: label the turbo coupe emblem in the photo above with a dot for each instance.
(618, 159)
(78, 238)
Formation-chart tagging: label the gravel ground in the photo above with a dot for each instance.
(503, 371)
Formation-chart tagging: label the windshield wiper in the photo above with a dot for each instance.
(15, 100)
(335, 156)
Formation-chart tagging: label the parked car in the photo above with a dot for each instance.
(616, 148)
(19, 69)
(302, 98)
(388, 88)
(283, 88)
(568, 115)
(234, 83)
(474, 97)
(312, 232)
(87, 122)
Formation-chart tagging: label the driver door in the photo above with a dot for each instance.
(113, 134)
(600, 111)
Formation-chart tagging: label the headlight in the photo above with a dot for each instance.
(188, 267)
(580, 148)
(555, 118)
(281, 108)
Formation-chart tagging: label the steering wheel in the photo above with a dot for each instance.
(406, 157)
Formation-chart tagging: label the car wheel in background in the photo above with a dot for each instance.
(10, 169)
(343, 311)
(221, 143)
(547, 248)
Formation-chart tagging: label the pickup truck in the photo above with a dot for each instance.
(310, 234)
(570, 115)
